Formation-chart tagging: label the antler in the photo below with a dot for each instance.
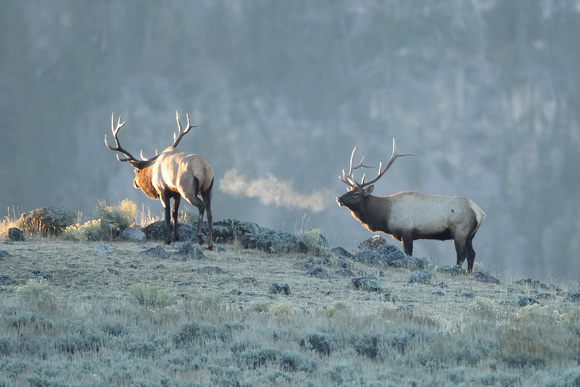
(118, 148)
(349, 179)
(177, 137)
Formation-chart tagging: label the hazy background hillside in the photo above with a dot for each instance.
(485, 93)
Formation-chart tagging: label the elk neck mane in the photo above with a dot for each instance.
(372, 214)
(145, 182)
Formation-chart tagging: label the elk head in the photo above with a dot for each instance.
(357, 192)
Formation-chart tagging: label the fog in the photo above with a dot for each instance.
(484, 93)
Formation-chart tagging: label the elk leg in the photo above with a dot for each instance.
(461, 252)
(470, 254)
(407, 242)
(197, 202)
(207, 199)
(176, 201)
(165, 201)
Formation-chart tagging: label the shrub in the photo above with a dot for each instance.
(152, 296)
(91, 231)
(335, 307)
(116, 217)
(37, 293)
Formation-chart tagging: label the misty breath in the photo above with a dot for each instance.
(270, 190)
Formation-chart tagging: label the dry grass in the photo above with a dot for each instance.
(126, 318)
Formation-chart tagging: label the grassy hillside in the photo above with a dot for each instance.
(70, 315)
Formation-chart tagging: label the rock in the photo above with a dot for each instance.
(15, 235)
(189, 251)
(156, 231)
(318, 272)
(314, 242)
(406, 308)
(304, 264)
(452, 270)
(40, 275)
(104, 249)
(133, 234)
(485, 277)
(344, 273)
(532, 282)
(158, 252)
(525, 301)
(369, 283)
(276, 288)
(230, 230)
(390, 297)
(4, 254)
(271, 241)
(341, 252)
(391, 255)
(573, 297)
(211, 270)
(373, 243)
(368, 257)
(545, 296)
(421, 277)
(47, 220)
(5, 280)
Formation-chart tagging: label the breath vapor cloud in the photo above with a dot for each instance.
(270, 190)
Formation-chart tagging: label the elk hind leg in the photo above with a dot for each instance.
(470, 254)
(191, 197)
(206, 195)
(176, 201)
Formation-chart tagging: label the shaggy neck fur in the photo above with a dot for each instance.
(144, 182)
(371, 215)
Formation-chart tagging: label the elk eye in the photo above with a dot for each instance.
(356, 194)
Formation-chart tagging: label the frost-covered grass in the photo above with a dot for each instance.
(126, 318)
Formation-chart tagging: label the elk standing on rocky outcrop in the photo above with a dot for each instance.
(172, 174)
(408, 216)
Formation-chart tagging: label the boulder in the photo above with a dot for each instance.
(421, 277)
(369, 283)
(157, 231)
(15, 235)
(133, 234)
(47, 220)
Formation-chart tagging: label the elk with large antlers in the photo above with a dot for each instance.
(172, 174)
(408, 216)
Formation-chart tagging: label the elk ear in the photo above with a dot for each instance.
(368, 190)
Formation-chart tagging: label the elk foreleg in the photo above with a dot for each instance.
(461, 250)
(176, 201)
(407, 241)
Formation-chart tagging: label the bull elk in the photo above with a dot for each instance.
(408, 216)
(172, 174)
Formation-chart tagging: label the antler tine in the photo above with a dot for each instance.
(382, 171)
(349, 179)
(177, 137)
(118, 147)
